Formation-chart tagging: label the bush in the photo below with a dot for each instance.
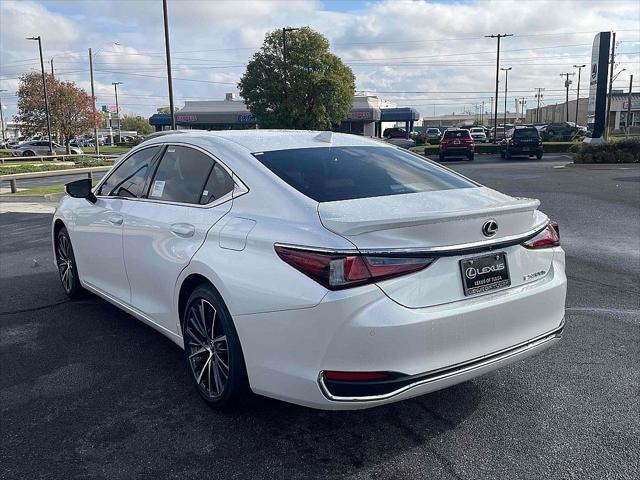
(420, 138)
(623, 151)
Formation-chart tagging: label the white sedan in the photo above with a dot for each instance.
(327, 270)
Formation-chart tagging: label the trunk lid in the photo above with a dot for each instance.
(444, 218)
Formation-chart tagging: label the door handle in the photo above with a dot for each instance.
(116, 219)
(183, 229)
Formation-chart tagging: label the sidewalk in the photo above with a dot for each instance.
(27, 207)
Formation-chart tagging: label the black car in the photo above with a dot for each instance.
(394, 132)
(522, 140)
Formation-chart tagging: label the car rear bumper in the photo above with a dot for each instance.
(525, 150)
(362, 330)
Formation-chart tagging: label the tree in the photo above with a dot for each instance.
(70, 108)
(137, 123)
(319, 90)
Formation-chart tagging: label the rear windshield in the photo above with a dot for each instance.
(433, 130)
(526, 133)
(328, 174)
(456, 134)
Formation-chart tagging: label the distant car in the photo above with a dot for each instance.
(523, 140)
(499, 136)
(394, 132)
(41, 148)
(564, 130)
(456, 143)
(433, 135)
(478, 134)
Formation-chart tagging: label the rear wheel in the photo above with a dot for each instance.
(539, 156)
(28, 153)
(441, 157)
(470, 157)
(507, 155)
(66, 261)
(212, 349)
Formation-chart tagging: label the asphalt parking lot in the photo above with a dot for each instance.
(87, 391)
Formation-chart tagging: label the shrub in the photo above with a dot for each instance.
(623, 151)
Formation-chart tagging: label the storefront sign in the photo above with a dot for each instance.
(598, 81)
(186, 118)
(360, 115)
(110, 108)
(246, 118)
(634, 106)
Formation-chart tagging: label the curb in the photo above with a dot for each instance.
(48, 198)
(604, 166)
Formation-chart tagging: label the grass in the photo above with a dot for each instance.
(43, 190)
(33, 167)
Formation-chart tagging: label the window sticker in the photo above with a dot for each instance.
(158, 188)
(205, 193)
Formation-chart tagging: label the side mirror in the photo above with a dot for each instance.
(81, 189)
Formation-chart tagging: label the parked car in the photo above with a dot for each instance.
(298, 279)
(499, 136)
(522, 140)
(478, 134)
(41, 148)
(394, 132)
(433, 135)
(562, 130)
(457, 142)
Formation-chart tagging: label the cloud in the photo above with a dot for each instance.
(393, 46)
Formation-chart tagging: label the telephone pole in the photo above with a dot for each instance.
(579, 67)
(2, 116)
(538, 97)
(44, 87)
(168, 55)
(93, 102)
(567, 82)
(612, 65)
(627, 122)
(506, 80)
(495, 112)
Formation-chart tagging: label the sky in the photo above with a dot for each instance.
(430, 55)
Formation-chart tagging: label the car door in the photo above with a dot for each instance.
(97, 233)
(189, 192)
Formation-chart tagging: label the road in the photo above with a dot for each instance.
(87, 391)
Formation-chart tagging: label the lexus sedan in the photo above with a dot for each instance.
(327, 270)
(41, 148)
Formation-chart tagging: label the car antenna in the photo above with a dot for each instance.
(325, 137)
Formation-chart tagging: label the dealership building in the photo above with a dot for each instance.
(368, 116)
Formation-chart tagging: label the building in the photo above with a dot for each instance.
(366, 117)
(469, 119)
(617, 118)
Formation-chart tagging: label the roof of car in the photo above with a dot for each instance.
(268, 140)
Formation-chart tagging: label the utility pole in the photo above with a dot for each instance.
(2, 116)
(93, 100)
(44, 88)
(612, 64)
(52, 68)
(115, 86)
(538, 97)
(482, 114)
(579, 67)
(567, 82)
(495, 114)
(506, 80)
(284, 59)
(627, 123)
(168, 54)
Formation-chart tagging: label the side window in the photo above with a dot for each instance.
(218, 185)
(128, 179)
(181, 175)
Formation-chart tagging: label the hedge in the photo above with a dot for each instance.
(548, 147)
(622, 151)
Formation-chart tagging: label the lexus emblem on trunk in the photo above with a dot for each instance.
(490, 228)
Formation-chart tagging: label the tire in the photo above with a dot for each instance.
(28, 153)
(67, 267)
(539, 156)
(502, 154)
(507, 155)
(214, 361)
(471, 157)
(441, 157)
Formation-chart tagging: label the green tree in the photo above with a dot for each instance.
(136, 123)
(319, 90)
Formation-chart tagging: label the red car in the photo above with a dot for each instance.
(456, 143)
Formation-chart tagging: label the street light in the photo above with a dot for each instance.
(93, 96)
(44, 87)
(579, 67)
(2, 116)
(506, 79)
(115, 87)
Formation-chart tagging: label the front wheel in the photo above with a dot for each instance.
(212, 349)
(539, 156)
(67, 268)
(470, 157)
(28, 153)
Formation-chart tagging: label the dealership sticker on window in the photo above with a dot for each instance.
(158, 188)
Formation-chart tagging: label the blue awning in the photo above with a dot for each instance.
(160, 119)
(399, 114)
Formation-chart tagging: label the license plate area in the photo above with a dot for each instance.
(484, 273)
(456, 142)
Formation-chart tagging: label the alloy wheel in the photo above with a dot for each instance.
(65, 263)
(207, 348)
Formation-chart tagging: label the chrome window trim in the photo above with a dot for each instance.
(448, 250)
(239, 188)
(457, 369)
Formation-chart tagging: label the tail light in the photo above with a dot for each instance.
(549, 237)
(337, 271)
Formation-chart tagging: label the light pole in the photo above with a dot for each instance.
(115, 87)
(2, 117)
(506, 80)
(44, 87)
(168, 54)
(284, 58)
(495, 116)
(538, 97)
(579, 67)
(93, 95)
(567, 83)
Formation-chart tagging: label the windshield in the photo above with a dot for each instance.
(456, 134)
(328, 174)
(526, 133)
